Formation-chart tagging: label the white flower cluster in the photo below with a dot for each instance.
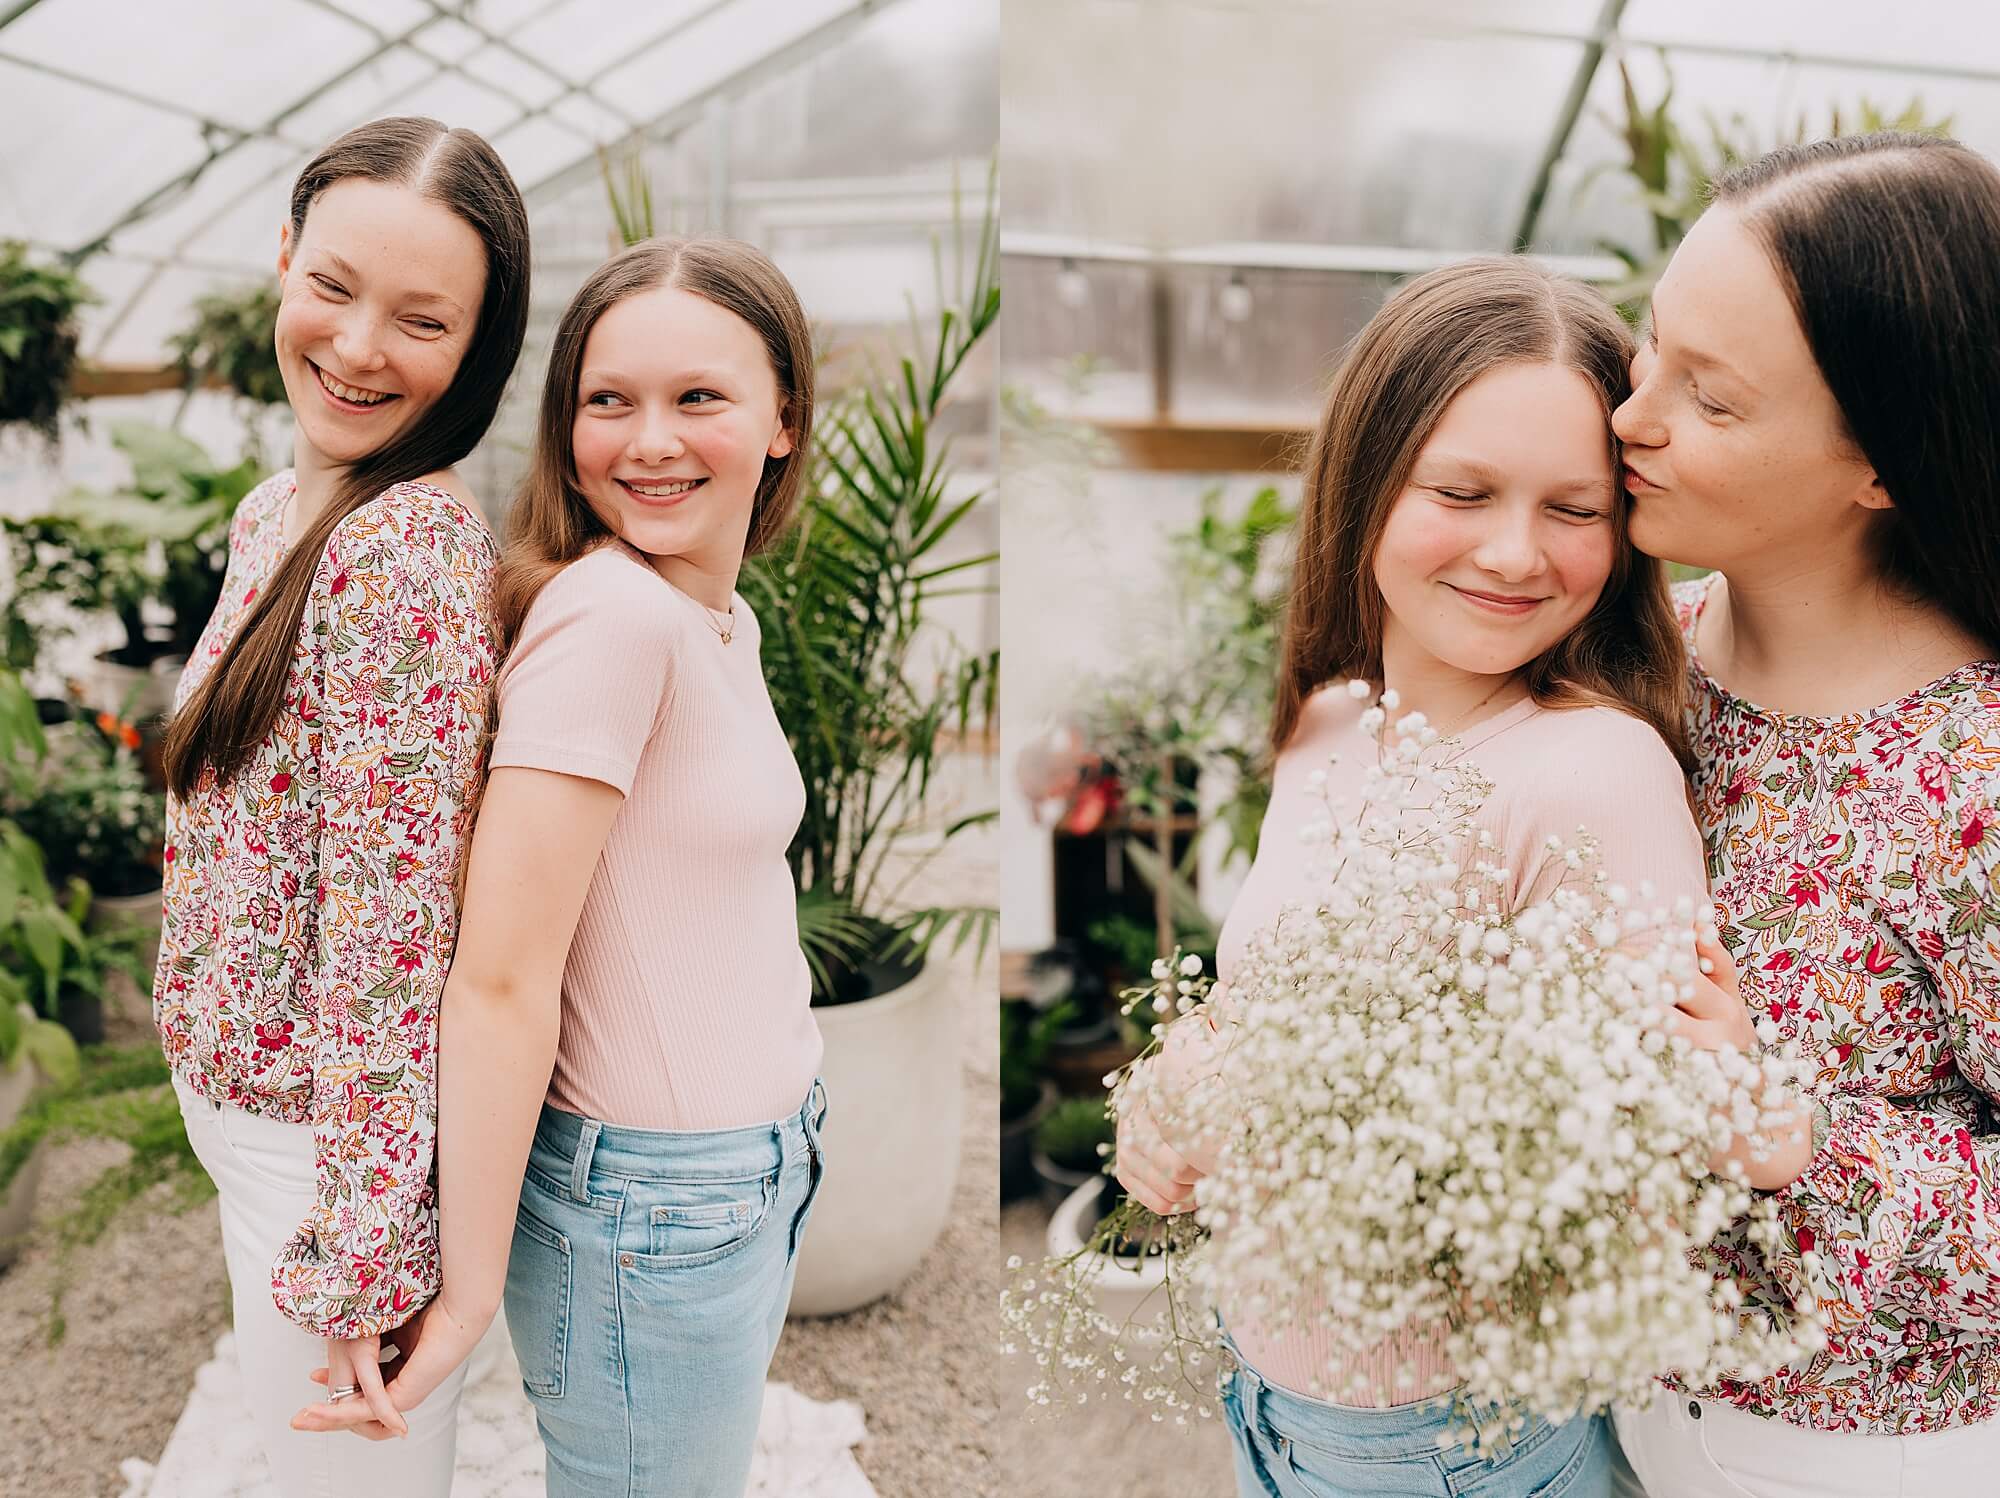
(1439, 1113)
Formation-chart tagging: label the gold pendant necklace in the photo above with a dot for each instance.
(726, 626)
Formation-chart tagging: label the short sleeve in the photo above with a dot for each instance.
(588, 679)
(1608, 776)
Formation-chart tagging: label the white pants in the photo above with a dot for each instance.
(263, 1170)
(1685, 1448)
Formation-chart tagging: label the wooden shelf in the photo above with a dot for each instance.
(1207, 447)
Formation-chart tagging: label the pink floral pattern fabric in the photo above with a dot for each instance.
(310, 908)
(1855, 866)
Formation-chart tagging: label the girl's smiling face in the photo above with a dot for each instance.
(677, 409)
(379, 300)
(1504, 534)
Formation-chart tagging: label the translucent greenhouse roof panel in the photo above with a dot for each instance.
(236, 62)
(1952, 35)
(1180, 125)
(54, 126)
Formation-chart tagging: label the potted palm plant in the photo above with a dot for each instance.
(845, 611)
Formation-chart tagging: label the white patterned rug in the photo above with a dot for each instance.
(804, 1447)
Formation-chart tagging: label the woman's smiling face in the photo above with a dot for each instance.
(1735, 450)
(380, 298)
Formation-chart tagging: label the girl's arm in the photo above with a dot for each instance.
(537, 845)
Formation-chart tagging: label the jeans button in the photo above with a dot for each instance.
(1694, 1409)
(625, 1260)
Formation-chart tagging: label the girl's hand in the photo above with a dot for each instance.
(1714, 1017)
(1153, 1172)
(433, 1342)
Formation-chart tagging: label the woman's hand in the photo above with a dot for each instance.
(433, 1343)
(1153, 1172)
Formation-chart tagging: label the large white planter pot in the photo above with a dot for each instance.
(123, 912)
(894, 1095)
(1123, 1287)
(17, 1201)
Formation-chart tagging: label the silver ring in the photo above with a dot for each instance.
(345, 1391)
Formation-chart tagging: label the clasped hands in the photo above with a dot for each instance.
(426, 1349)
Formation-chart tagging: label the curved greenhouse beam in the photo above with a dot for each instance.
(1572, 110)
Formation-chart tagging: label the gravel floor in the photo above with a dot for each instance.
(147, 1301)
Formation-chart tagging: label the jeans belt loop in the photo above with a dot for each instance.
(579, 1168)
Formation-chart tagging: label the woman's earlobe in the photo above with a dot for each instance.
(781, 445)
(1874, 496)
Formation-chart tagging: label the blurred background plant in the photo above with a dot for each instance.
(1673, 166)
(152, 553)
(39, 302)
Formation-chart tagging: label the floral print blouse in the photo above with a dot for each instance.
(1855, 865)
(309, 904)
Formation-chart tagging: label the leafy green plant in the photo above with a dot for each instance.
(631, 203)
(1073, 1131)
(38, 337)
(163, 540)
(92, 812)
(845, 610)
(1026, 1034)
(1674, 169)
(121, 1094)
(232, 339)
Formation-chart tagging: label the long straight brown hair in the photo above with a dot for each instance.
(238, 702)
(552, 524)
(1430, 340)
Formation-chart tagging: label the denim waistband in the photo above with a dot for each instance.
(581, 1145)
(1397, 1429)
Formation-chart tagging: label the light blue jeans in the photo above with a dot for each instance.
(646, 1291)
(1290, 1446)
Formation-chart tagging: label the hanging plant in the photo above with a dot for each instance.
(233, 339)
(38, 337)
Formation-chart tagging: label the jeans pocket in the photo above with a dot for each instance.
(690, 1223)
(1547, 1462)
(538, 1292)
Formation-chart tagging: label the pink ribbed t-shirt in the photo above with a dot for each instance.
(685, 998)
(1552, 772)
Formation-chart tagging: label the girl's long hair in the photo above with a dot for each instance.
(234, 708)
(1430, 340)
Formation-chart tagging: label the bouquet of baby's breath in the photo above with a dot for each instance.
(1434, 1112)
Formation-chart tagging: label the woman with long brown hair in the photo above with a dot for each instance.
(1813, 420)
(1462, 543)
(323, 761)
(627, 1023)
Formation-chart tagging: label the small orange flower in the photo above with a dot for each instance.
(106, 723)
(128, 736)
